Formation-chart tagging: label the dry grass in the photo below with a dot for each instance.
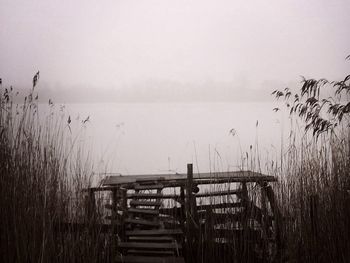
(41, 177)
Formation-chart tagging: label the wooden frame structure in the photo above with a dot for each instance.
(229, 208)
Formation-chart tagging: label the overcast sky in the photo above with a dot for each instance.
(133, 44)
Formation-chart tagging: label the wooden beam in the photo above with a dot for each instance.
(238, 176)
(157, 232)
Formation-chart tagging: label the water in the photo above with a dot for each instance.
(138, 138)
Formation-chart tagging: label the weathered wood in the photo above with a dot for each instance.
(140, 259)
(218, 193)
(278, 218)
(219, 206)
(148, 253)
(145, 203)
(148, 186)
(150, 196)
(141, 222)
(237, 176)
(151, 238)
(149, 245)
(192, 221)
(143, 211)
(158, 232)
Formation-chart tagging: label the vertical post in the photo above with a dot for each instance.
(192, 199)
(278, 218)
(183, 211)
(124, 211)
(244, 221)
(191, 217)
(115, 227)
(264, 221)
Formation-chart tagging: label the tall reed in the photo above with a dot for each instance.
(42, 175)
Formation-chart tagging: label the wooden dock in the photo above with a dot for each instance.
(164, 217)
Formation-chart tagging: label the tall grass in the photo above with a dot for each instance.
(42, 175)
(313, 193)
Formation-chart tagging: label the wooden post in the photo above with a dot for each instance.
(191, 218)
(124, 206)
(183, 208)
(278, 218)
(264, 222)
(115, 227)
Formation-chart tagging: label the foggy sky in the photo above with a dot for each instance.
(176, 48)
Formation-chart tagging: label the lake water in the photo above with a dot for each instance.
(138, 138)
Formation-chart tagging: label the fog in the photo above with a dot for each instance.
(171, 50)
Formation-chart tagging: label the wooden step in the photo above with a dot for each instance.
(219, 193)
(145, 203)
(143, 211)
(142, 259)
(141, 222)
(149, 245)
(157, 232)
(151, 239)
(149, 187)
(146, 195)
(150, 252)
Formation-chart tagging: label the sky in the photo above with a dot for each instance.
(171, 49)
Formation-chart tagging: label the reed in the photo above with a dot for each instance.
(42, 174)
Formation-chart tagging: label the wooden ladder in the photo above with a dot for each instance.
(146, 239)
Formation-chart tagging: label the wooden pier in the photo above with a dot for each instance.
(168, 218)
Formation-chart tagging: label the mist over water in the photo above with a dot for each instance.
(139, 138)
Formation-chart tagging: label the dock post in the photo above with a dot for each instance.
(278, 218)
(192, 226)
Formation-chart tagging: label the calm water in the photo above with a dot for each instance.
(134, 138)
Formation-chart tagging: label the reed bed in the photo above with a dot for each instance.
(43, 173)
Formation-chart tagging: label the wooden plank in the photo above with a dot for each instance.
(219, 193)
(149, 245)
(237, 176)
(143, 211)
(145, 203)
(218, 206)
(151, 238)
(148, 186)
(147, 195)
(141, 259)
(158, 232)
(151, 252)
(141, 222)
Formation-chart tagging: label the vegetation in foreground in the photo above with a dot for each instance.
(41, 183)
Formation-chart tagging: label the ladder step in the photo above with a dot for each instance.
(143, 211)
(157, 232)
(146, 195)
(150, 252)
(145, 203)
(219, 193)
(141, 222)
(149, 187)
(151, 239)
(141, 259)
(148, 245)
